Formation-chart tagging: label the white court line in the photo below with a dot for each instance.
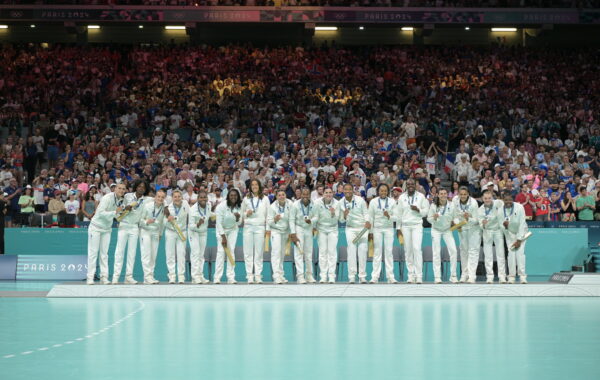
(91, 335)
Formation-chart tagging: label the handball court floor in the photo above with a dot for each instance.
(331, 337)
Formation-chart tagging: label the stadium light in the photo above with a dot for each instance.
(467, 28)
(175, 27)
(408, 28)
(32, 26)
(361, 28)
(93, 26)
(504, 29)
(140, 26)
(3, 26)
(326, 28)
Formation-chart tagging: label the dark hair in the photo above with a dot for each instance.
(161, 190)
(202, 192)
(137, 183)
(260, 189)
(383, 185)
(465, 189)
(506, 194)
(487, 192)
(436, 200)
(238, 203)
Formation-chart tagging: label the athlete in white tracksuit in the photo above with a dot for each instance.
(129, 233)
(303, 218)
(200, 214)
(99, 233)
(467, 209)
(514, 228)
(491, 227)
(278, 223)
(176, 213)
(327, 210)
(254, 212)
(382, 218)
(440, 215)
(354, 212)
(151, 229)
(411, 209)
(227, 225)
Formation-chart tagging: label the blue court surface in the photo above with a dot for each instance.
(327, 338)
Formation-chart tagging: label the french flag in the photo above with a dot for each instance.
(449, 165)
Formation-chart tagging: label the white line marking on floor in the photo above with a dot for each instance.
(91, 335)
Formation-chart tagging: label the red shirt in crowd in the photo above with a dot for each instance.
(524, 200)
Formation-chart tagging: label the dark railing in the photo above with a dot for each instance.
(327, 3)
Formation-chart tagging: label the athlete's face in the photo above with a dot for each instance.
(305, 196)
(383, 192)
(120, 190)
(177, 198)
(202, 199)
(328, 194)
(464, 195)
(487, 199)
(443, 195)
(159, 198)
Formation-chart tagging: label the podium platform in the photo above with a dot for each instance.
(243, 290)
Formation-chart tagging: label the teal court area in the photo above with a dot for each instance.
(326, 338)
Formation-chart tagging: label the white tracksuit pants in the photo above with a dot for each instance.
(516, 258)
(197, 247)
(383, 237)
(304, 267)
(98, 243)
(254, 246)
(175, 250)
(436, 247)
(126, 237)
(357, 251)
(413, 239)
(328, 254)
(278, 243)
(470, 243)
(494, 237)
(222, 257)
(149, 248)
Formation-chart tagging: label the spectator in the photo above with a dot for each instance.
(586, 205)
(26, 203)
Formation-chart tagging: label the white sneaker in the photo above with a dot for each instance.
(204, 280)
(115, 281)
(172, 281)
(196, 281)
(130, 281)
(278, 281)
(410, 281)
(454, 280)
(363, 280)
(90, 282)
(490, 281)
(105, 281)
(463, 279)
(258, 280)
(216, 282)
(374, 281)
(438, 281)
(310, 279)
(502, 280)
(284, 280)
(332, 281)
(323, 281)
(511, 280)
(352, 281)
(231, 281)
(471, 281)
(250, 280)
(392, 281)
(419, 281)
(301, 280)
(523, 281)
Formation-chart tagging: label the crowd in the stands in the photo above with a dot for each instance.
(76, 120)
